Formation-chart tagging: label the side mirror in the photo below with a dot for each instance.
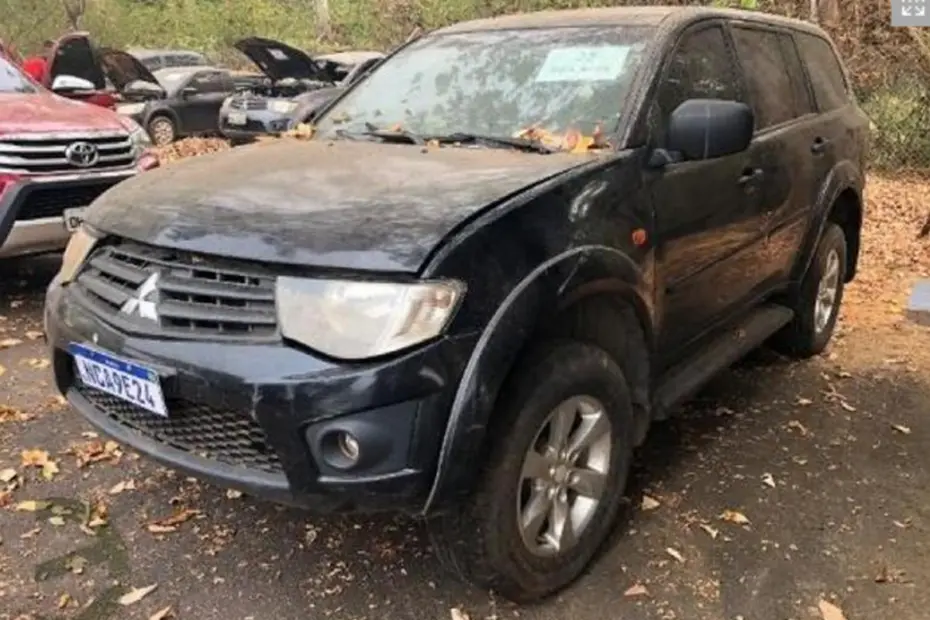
(70, 83)
(701, 129)
(188, 91)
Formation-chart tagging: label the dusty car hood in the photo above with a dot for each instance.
(123, 68)
(278, 60)
(354, 205)
(44, 112)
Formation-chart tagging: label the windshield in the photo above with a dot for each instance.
(12, 80)
(497, 83)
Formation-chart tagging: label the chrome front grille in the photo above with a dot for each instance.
(157, 291)
(65, 153)
(248, 104)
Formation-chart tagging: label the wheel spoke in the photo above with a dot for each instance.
(534, 515)
(560, 426)
(535, 466)
(593, 427)
(588, 483)
(562, 530)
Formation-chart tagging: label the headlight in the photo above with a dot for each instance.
(282, 106)
(79, 247)
(357, 320)
(139, 137)
(130, 108)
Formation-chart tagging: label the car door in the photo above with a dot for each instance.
(780, 151)
(200, 106)
(703, 219)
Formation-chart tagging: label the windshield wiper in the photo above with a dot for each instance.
(523, 144)
(398, 135)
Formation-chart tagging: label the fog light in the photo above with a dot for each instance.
(348, 446)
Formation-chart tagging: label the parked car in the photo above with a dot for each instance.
(502, 256)
(311, 103)
(56, 156)
(188, 105)
(294, 81)
(154, 59)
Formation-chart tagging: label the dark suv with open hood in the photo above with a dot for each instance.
(296, 86)
(507, 251)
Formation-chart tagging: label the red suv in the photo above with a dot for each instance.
(56, 156)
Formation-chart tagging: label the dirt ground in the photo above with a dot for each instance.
(785, 491)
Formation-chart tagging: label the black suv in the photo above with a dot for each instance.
(505, 253)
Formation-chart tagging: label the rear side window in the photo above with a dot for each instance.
(766, 74)
(825, 71)
(803, 100)
(701, 67)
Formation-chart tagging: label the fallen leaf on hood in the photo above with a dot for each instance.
(675, 554)
(7, 475)
(768, 480)
(162, 614)
(136, 594)
(904, 430)
(32, 505)
(829, 611)
(649, 503)
(732, 516)
(636, 590)
(6, 343)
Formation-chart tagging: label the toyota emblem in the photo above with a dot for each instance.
(82, 154)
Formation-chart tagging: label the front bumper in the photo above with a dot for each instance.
(251, 416)
(32, 208)
(258, 123)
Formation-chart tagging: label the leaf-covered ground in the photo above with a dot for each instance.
(787, 490)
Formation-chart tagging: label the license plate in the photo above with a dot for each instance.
(73, 218)
(236, 118)
(126, 380)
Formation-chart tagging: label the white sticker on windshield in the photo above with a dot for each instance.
(277, 54)
(583, 64)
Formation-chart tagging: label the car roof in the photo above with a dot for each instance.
(665, 16)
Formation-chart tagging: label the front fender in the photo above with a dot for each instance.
(845, 175)
(502, 340)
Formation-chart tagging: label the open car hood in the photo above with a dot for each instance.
(74, 54)
(123, 68)
(278, 60)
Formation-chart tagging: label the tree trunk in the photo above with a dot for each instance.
(323, 22)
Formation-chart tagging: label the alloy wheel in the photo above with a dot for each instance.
(825, 304)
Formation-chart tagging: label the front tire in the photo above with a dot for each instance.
(818, 305)
(162, 130)
(560, 456)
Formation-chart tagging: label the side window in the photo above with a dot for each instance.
(701, 67)
(803, 100)
(826, 73)
(765, 70)
(207, 83)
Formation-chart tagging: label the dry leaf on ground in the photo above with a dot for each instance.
(675, 553)
(904, 430)
(32, 505)
(458, 614)
(636, 590)
(649, 503)
(162, 614)
(136, 594)
(119, 487)
(829, 611)
(733, 516)
(7, 475)
(169, 524)
(12, 414)
(95, 451)
(6, 343)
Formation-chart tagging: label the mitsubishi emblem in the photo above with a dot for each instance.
(143, 304)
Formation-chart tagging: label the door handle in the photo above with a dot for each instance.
(819, 146)
(750, 175)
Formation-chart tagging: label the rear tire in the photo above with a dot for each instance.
(818, 304)
(550, 491)
(162, 130)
